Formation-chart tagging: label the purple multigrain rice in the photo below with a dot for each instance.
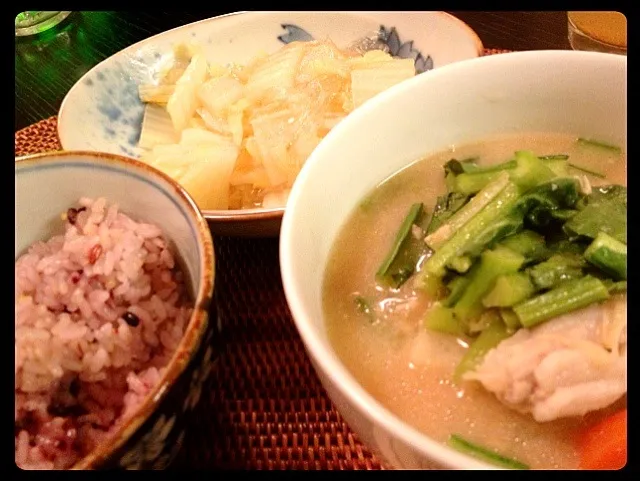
(131, 319)
(72, 214)
(100, 311)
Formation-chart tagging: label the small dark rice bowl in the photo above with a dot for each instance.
(50, 183)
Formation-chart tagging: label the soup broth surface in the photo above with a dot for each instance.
(408, 369)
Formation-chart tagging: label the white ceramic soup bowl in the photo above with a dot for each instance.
(563, 91)
(47, 185)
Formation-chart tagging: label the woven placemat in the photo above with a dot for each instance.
(265, 409)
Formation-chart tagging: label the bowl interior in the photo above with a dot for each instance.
(47, 186)
(557, 91)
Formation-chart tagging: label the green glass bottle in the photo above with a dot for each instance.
(34, 22)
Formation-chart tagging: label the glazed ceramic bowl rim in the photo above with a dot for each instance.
(264, 214)
(198, 321)
(321, 351)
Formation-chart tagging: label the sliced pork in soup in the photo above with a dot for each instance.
(569, 366)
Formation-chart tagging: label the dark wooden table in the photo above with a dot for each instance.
(46, 67)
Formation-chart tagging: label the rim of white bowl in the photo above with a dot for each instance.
(322, 353)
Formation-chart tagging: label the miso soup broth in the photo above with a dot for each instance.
(379, 334)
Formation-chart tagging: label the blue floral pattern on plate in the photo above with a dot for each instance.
(114, 89)
(387, 37)
(121, 110)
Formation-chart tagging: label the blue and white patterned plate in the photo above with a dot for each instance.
(102, 111)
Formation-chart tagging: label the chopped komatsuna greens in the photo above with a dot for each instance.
(468, 184)
(493, 263)
(599, 144)
(560, 167)
(479, 324)
(464, 239)
(510, 319)
(587, 171)
(446, 206)
(558, 163)
(455, 289)
(456, 166)
(489, 338)
(363, 306)
(530, 171)
(616, 287)
(485, 454)
(472, 178)
(540, 204)
(501, 217)
(509, 289)
(556, 270)
(441, 318)
(604, 210)
(460, 264)
(604, 193)
(528, 243)
(609, 255)
(494, 232)
(561, 215)
(554, 157)
(469, 178)
(566, 297)
(558, 243)
(406, 251)
(447, 230)
(431, 285)
(544, 201)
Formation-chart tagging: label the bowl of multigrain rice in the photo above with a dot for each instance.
(114, 274)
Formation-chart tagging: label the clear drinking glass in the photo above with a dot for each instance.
(33, 22)
(600, 31)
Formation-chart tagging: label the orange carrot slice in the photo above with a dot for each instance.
(604, 445)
